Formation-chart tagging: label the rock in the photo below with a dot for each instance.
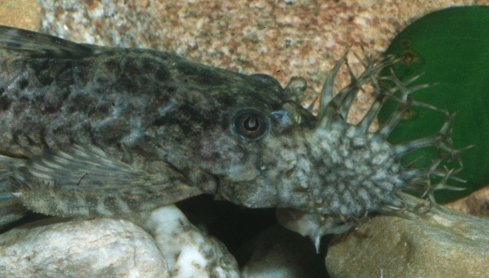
(279, 253)
(80, 248)
(24, 14)
(442, 243)
(170, 246)
(477, 203)
(187, 250)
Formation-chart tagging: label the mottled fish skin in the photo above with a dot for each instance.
(162, 119)
(89, 130)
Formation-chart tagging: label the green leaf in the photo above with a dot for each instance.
(451, 49)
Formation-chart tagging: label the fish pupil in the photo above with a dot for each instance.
(251, 124)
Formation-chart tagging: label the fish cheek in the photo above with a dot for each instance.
(244, 182)
(218, 153)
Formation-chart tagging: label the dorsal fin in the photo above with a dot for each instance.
(41, 45)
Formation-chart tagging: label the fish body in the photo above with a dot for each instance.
(88, 130)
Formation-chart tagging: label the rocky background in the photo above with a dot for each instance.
(281, 38)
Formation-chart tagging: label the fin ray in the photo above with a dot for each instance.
(41, 45)
(85, 181)
(11, 209)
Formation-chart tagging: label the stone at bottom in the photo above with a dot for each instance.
(165, 244)
(89, 248)
(442, 243)
(188, 251)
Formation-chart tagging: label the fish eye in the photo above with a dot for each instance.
(251, 124)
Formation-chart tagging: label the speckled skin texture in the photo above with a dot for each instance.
(88, 130)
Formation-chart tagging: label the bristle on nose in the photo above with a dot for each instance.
(334, 108)
(362, 172)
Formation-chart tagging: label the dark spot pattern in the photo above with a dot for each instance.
(201, 74)
(23, 83)
(152, 104)
(110, 202)
(4, 103)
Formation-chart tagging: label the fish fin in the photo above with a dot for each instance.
(41, 45)
(86, 181)
(11, 209)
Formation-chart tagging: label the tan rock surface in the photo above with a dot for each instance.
(445, 243)
(24, 14)
(476, 203)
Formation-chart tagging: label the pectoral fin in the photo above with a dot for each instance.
(11, 209)
(85, 181)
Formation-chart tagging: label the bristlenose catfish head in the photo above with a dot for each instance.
(278, 154)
